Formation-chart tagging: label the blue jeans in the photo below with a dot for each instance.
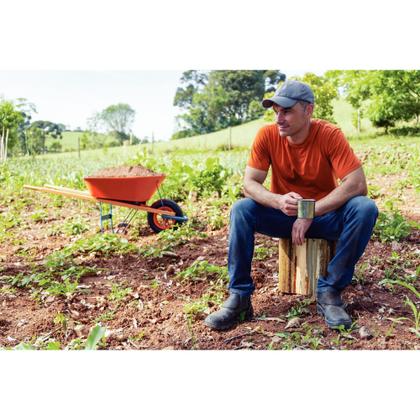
(350, 225)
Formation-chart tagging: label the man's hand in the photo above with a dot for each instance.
(300, 227)
(287, 203)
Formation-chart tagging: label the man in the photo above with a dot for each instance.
(306, 157)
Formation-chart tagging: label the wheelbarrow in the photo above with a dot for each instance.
(132, 192)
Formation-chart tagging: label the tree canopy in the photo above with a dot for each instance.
(222, 98)
(385, 96)
(117, 118)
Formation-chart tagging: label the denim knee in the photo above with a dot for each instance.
(244, 209)
(363, 206)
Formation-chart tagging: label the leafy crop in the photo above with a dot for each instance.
(200, 270)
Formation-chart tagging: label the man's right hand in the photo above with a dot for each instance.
(287, 203)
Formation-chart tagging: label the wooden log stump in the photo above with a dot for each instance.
(301, 265)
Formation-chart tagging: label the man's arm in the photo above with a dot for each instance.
(352, 185)
(253, 188)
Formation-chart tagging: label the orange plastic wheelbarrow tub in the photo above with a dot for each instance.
(135, 189)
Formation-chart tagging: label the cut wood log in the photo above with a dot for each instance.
(301, 265)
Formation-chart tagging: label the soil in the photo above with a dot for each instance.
(123, 172)
(152, 315)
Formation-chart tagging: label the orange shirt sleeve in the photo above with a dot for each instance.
(260, 153)
(341, 155)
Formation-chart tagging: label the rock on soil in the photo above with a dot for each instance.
(123, 172)
(365, 333)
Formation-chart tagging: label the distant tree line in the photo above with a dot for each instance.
(19, 135)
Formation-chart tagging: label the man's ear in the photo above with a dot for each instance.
(309, 109)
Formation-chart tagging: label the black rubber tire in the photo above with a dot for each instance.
(151, 217)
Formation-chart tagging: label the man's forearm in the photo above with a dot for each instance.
(259, 193)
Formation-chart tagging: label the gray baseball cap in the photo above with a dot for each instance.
(289, 93)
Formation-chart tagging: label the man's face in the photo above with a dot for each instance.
(292, 120)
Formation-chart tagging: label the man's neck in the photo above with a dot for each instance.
(301, 136)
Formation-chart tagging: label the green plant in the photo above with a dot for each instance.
(195, 309)
(96, 334)
(360, 272)
(39, 216)
(391, 226)
(118, 292)
(300, 308)
(75, 226)
(412, 305)
(106, 316)
(201, 270)
(390, 331)
(100, 245)
(262, 253)
(8, 290)
(211, 179)
(56, 277)
(61, 320)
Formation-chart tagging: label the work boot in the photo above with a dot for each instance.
(330, 305)
(235, 309)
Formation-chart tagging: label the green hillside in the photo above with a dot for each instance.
(70, 138)
(239, 136)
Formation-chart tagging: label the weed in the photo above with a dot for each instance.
(201, 270)
(196, 309)
(56, 277)
(96, 335)
(390, 331)
(61, 320)
(39, 216)
(118, 292)
(262, 253)
(154, 284)
(391, 226)
(106, 316)
(360, 272)
(412, 305)
(300, 308)
(99, 245)
(8, 290)
(75, 226)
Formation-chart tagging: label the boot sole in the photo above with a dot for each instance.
(249, 314)
(331, 325)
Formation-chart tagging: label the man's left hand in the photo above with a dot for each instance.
(300, 227)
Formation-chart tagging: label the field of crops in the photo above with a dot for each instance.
(64, 285)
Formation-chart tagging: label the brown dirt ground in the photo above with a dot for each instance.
(123, 172)
(152, 317)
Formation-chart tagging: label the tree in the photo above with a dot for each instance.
(192, 81)
(386, 96)
(117, 118)
(221, 99)
(10, 118)
(325, 92)
(27, 109)
(37, 134)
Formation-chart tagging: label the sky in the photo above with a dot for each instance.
(71, 97)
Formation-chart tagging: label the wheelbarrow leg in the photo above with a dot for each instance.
(123, 226)
(105, 217)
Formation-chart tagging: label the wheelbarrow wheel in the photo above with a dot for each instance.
(157, 222)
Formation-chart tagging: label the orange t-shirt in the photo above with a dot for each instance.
(311, 168)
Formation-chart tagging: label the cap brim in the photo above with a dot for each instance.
(280, 101)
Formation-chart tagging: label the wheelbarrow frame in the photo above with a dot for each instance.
(85, 195)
